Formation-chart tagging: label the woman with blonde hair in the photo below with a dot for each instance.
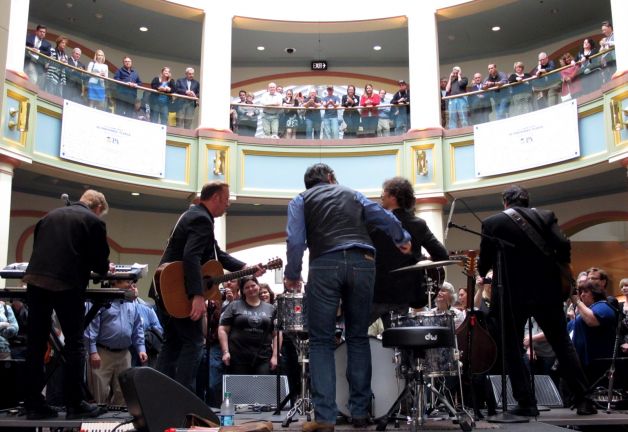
(96, 84)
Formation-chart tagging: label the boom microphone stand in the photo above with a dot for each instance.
(504, 416)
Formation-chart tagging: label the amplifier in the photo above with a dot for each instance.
(255, 389)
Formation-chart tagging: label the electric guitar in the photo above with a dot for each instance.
(170, 284)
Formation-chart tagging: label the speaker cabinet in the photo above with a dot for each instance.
(157, 402)
(255, 389)
(546, 392)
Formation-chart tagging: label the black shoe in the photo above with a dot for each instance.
(585, 407)
(84, 410)
(360, 423)
(43, 412)
(525, 410)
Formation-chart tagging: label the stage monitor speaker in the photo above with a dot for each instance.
(546, 392)
(157, 402)
(255, 389)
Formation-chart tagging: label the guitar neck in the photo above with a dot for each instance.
(233, 275)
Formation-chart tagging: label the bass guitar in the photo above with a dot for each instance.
(478, 348)
(170, 284)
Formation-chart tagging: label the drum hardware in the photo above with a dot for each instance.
(426, 264)
(303, 405)
(413, 343)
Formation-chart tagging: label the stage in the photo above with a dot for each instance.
(554, 420)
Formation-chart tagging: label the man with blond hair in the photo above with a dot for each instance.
(69, 243)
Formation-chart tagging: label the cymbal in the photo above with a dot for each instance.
(426, 264)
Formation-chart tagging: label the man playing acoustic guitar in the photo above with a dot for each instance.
(193, 243)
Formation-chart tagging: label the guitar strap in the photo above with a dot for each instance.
(530, 231)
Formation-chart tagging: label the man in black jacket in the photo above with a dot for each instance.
(541, 299)
(70, 242)
(33, 63)
(397, 291)
(192, 241)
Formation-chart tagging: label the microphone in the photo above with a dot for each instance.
(451, 214)
(66, 199)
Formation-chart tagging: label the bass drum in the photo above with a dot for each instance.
(384, 383)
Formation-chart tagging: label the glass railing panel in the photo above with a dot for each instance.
(568, 82)
(301, 122)
(100, 91)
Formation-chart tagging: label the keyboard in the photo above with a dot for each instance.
(105, 427)
(123, 271)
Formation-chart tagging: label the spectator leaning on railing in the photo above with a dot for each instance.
(126, 94)
(33, 66)
(187, 86)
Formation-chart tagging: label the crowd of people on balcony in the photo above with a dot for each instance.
(293, 114)
(577, 76)
(63, 75)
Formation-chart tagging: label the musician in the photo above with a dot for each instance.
(69, 243)
(397, 291)
(542, 299)
(192, 241)
(330, 220)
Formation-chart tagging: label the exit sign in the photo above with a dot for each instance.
(319, 65)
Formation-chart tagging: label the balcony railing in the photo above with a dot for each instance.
(101, 92)
(568, 82)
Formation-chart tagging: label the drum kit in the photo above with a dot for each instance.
(411, 354)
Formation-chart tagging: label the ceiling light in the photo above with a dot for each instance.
(496, 28)
(143, 29)
(451, 37)
(135, 193)
(261, 48)
(69, 5)
(98, 15)
(377, 48)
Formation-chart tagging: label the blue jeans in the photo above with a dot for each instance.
(501, 106)
(458, 112)
(312, 128)
(347, 275)
(330, 128)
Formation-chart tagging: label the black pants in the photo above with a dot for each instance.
(70, 309)
(551, 318)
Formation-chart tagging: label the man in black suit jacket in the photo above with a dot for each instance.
(192, 241)
(34, 64)
(69, 243)
(397, 291)
(539, 296)
(186, 86)
(75, 78)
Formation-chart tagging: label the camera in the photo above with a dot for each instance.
(487, 281)
(290, 50)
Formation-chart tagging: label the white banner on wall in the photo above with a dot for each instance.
(527, 141)
(118, 143)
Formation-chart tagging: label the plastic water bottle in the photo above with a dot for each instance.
(227, 411)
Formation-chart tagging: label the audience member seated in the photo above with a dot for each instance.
(383, 123)
(593, 330)
(521, 102)
(401, 112)
(96, 94)
(494, 80)
(270, 120)
(330, 117)
(109, 336)
(369, 112)
(34, 64)
(160, 101)
(351, 116)
(126, 93)
(292, 115)
(246, 333)
(188, 86)
(55, 71)
(457, 107)
(312, 115)
(479, 103)
(572, 86)
(8, 330)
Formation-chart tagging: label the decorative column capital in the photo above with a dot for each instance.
(4, 159)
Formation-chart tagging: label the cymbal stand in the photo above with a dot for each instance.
(303, 405)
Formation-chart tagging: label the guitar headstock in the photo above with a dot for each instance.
(274, 264)
(471, 263)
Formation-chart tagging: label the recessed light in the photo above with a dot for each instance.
(98, 15)
(496, 28)
(377, 48)
(451, 37)
(69, 5)
(256, 204)
(135, 193)
(143, 29)
(261, 48)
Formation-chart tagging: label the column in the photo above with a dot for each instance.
(220, 231)
(619, 9)
(15, 17)
(424, 68)
(431, 210)
(7, 165)
(215, 74)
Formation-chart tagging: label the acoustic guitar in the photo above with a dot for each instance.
(170, 284)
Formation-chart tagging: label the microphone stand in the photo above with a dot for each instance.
(504, 416)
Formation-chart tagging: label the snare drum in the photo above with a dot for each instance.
(291, 315)
(438, 361)
(384, 383)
